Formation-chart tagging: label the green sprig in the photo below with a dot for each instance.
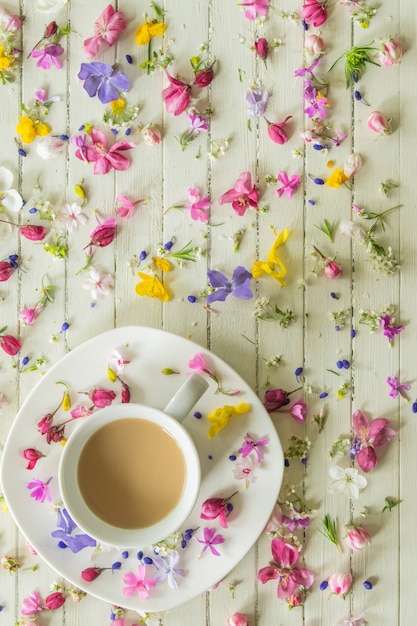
(327, 228)
(356, 60)
(390, 503)
(329, 531)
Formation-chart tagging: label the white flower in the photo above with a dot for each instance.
(10, 199)
(50, 147)
(72, 217)
(352, 165)
(50, 6)
(350, 229)
(98, 283)
(116, 362)
(246, 471)
(346, 481)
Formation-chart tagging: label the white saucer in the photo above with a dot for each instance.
(148, 351)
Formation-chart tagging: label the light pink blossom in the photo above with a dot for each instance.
(107, 29)
(340, 583)
(199, 206)
(358, 538)
(72, 216)
(255, 8)
(48, 56)
(98, 283)
(32, 604)
(245, 470)
(127, 207)
(378, 123)
(371, 435)
(40, 490)
(391, 52)
(314, 45)
(242, 196)
(138, 584)
(238, 619)
(332, 270)
(299, 411)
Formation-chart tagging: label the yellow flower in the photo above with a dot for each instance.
(28, 129)
(151, 287)
(4, 60)
(148, 30)
(336, 178)
(111, 375)
(163, 264)
(273, 265)
(220, 417)
(118, 106)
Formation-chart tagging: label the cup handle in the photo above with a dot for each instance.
(186, 397)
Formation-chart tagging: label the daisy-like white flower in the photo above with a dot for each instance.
(72, 216)
(346, 481)
(98, 283)
(10, 199)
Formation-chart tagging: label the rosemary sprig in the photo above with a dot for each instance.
(330, 531)
(327, 228)
(187, 253)
(390, 503)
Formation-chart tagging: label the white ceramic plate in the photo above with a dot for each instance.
(148, 351)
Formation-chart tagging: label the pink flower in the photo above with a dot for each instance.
(105, 159)
(210, 540)
(199, 207)
(387, 323)
(314, 13)
(242, 195)
(104, 233)
(48, 55)
(250, 445)
(32, 604)
(261, 48)
(151, 135)
(314, 44)
(332, 270)
(80, 411)
(138, 584)
(217, 507)
(378, 123)
(10, 344)
(284, 570)
(396, 388)
(101, 397)
(370, 435)
(28, 316)
(176, 96)
(40, 490)
(255, 8)
(54, 601)
(276, 131)
(107, 29)
(358, 538)
(238, 619)
(391, 52)
(6, 270)
(340, 583)
(32, 455)
(127, 207)
(289, 184)
(91, 573)
(299, 411)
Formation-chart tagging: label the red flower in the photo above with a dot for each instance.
(276, 132)
(204, 78)
(34, 233)
(91, 573)
(104, 233)
(54, 601)
(10, 344)
(217, 507)
(33, 456)
(274, 399)
(176, 96)
(6, 270)
(261, 48)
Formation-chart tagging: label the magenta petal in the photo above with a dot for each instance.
(244, 183)
(302, 577)
(268, 573)
(360, 423)
(228, 196)
(286, 589)
(284, 553)
(367, 458)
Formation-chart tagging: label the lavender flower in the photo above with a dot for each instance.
(238, 286)
(256, 102)
(103, 80)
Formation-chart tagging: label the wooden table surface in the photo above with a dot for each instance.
(264, 353)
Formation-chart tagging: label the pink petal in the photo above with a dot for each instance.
(360, 423)
(118, 161)
(285, 589)
(228, 196)
(367, 458)
(244, 183)
(302, 577)
(284, 553)
(102, 166)
(267, 573)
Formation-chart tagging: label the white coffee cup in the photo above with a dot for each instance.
(129, 474)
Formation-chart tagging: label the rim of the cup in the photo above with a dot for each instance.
(93, 525)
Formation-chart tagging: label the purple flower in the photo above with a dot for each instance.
(396, 388)
(249, 444)
(66, 526)
(103, 80)
(49, 54)
(390, 330)
(167, 570)
(197, 121)
(308, 70)
(209, 541)
(256, 102)
(317, 107)
(238, 286)
(40, 490)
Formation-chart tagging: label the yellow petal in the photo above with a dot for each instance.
(336, 178)
(42, 129)
(279, 241)
(111, 375)
(151, 287)
(143, 34)
(163, 264)
(157, 29)
(26, 129)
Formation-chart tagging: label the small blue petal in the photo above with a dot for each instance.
(346, 364)
(62, 544)
(65, 326)
(232, 457)
(414, 407)
(337, 328)
(305, 25)
(114, 131)
(129, 59)
(353, 333)
(25, 360)
(358, 95)
(318, 181)
(298, 371)
(143, 255)
(116, 565)
(312, 202)
(229, 507)
(183, 543)
(168, 245)
(64, 137)
(334, 295)
(125, 554)
(192, 299)
(367, 584)
(324, 394)
(324, 585)
(286, 463)
(33, 210)
(198, 415)
(128, 131)
(140, 555)
(22, 152)
(339, 365)
(148, 560)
